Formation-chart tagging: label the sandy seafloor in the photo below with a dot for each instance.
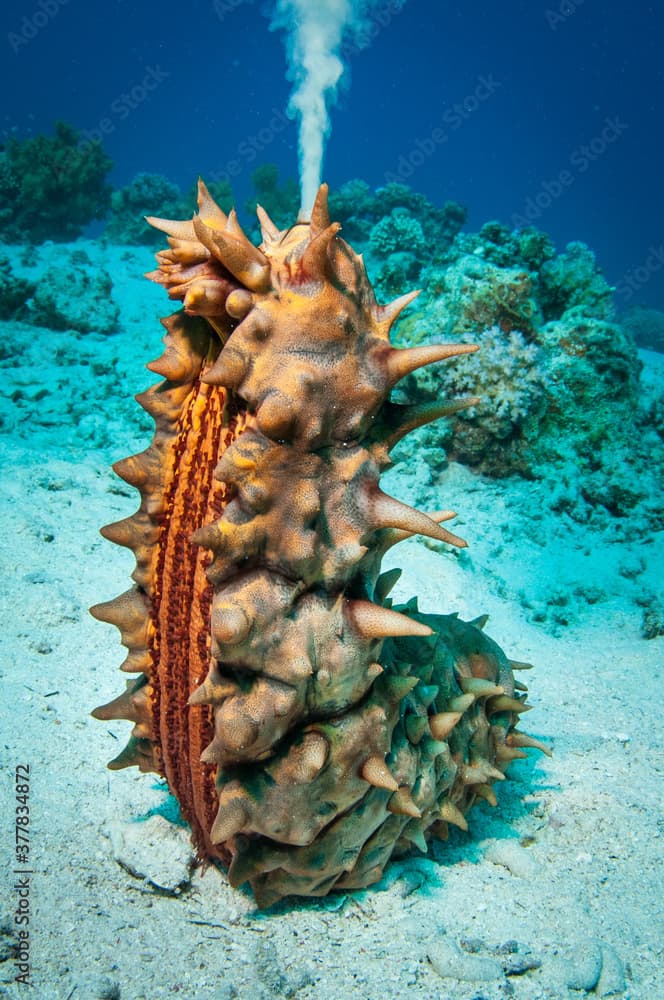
(567, 870)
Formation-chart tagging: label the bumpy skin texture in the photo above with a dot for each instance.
(309, 730)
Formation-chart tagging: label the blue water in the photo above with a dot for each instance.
(548, 112)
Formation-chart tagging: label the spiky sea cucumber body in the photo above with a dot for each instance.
(308, 729)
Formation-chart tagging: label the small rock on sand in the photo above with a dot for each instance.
(450, 962)
(512, 856)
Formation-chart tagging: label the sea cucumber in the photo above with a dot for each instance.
(309, 729)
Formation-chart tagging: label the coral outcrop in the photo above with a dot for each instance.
(74, 295)
(309, 729)
(146, 194)
(52, 186)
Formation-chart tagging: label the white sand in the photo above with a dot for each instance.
(580, 833)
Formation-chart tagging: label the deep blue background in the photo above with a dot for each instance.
(225, 76)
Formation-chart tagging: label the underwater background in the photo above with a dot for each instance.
(507, 160)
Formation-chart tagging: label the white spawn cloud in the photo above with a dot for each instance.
(316, 30)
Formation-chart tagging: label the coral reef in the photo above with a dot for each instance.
(573, 279)
(559, 376)
(309, 730)
(148, 194)
(14, 291)
(51, 187)
(281, 202)
(74, 295)
(359, 209)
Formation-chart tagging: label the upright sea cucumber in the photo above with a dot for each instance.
(309, 730)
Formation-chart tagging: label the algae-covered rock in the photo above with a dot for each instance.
(14, 291)
(74, 296)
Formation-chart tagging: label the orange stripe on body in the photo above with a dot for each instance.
(180, 643)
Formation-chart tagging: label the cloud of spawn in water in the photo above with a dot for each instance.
(320, 35)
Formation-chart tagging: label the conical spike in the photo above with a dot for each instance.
(479, 622)
(503, 703)
(427, 693)
(402, 362)
(401, 803)
(248, 862)
(515, 739)
(205, 298)
(137, 661)
(405, 419)
(269, 231)
(480, 687)
(396, 535)
(507, 754)
(128, 532)
(414, 834)
(128, 612)
(187, 253)
(397, 687)
(416, 727)
(228, 370)
(450, 814)
(320, 213)
(472, 775)
(387, 314)
(181, 229)
(139, 753)
(306, 760)
(315, 257)
(434, 748)
(488, 769)
(132, 704)
(442, 723)
(461, 703)
(487, 793)
(383, 511)
(212, 692)
(245, 261)
(376, 772)
(519, 665)
(519, 686)
(385, 583)
(374, 622)
(233, 226)
(208, 208)
(230, 819)
(135, 469)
